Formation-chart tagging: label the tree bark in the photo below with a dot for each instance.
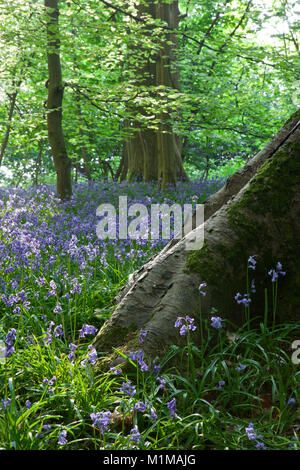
(13, 98)
(54, 103)
(156, 154)
(257, 213)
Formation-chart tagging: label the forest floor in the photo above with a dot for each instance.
(58, 282)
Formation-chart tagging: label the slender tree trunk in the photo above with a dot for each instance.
(54, 103)
(13, 98)
(256, 213)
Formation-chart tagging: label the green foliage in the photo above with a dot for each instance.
(235, 90)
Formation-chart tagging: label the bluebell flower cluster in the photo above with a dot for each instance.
(101, 420)
(9, 340)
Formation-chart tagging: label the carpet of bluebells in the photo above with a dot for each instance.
(57, 286)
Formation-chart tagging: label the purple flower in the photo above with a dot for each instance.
(140, 406)
(252, 262)
(216, 322)
(57, 308)
(53, 286)
(183, 330)
(72, 355)
(291, 401)
(260, 445)
(143, 334)
(9, 351)
(221, 384)
(115, 371)
(62, 438)
(178, 322)
(279, 269)
(274, 273)
(143, 366)
(5, 403)
(188, 325)
(88, 330)
(101, 420)
(58, 331)
(153, 415)
(252, 436)
(241, 367)
(128, 389)
(162, 382)
(135, 436)
(92, 355)
(202, 287)
(11, 336)
(243, 300)
(47, 338)
(155, 370)
(172, 407)
(251, 433)
(191, 325)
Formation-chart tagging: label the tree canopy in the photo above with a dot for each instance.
(237, 64)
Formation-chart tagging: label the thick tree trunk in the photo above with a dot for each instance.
(156, 154)
(54, 104)
(256, 213)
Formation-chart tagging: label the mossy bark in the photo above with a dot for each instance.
(262, 218)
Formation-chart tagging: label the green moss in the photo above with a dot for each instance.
(261, 222)
(203, 262)
(113, 334)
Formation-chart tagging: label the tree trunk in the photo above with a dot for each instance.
(54, 104)
(13, 98)
(257, 213)
(156, 154)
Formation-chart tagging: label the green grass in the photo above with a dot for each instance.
(207, 416)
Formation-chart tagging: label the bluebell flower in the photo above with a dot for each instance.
(115, 370)
(135, 435)
(87, 330)
(291, 401)
(201, 287)
(260, 445)
(143, 334)
(162, 382)
(178, 322)
(101, 420)
(243, 300)
(128, 389)
(216, 322)
(172, 407)
(140, 406)
(252, 262)
(58, 331)
(62, 438)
